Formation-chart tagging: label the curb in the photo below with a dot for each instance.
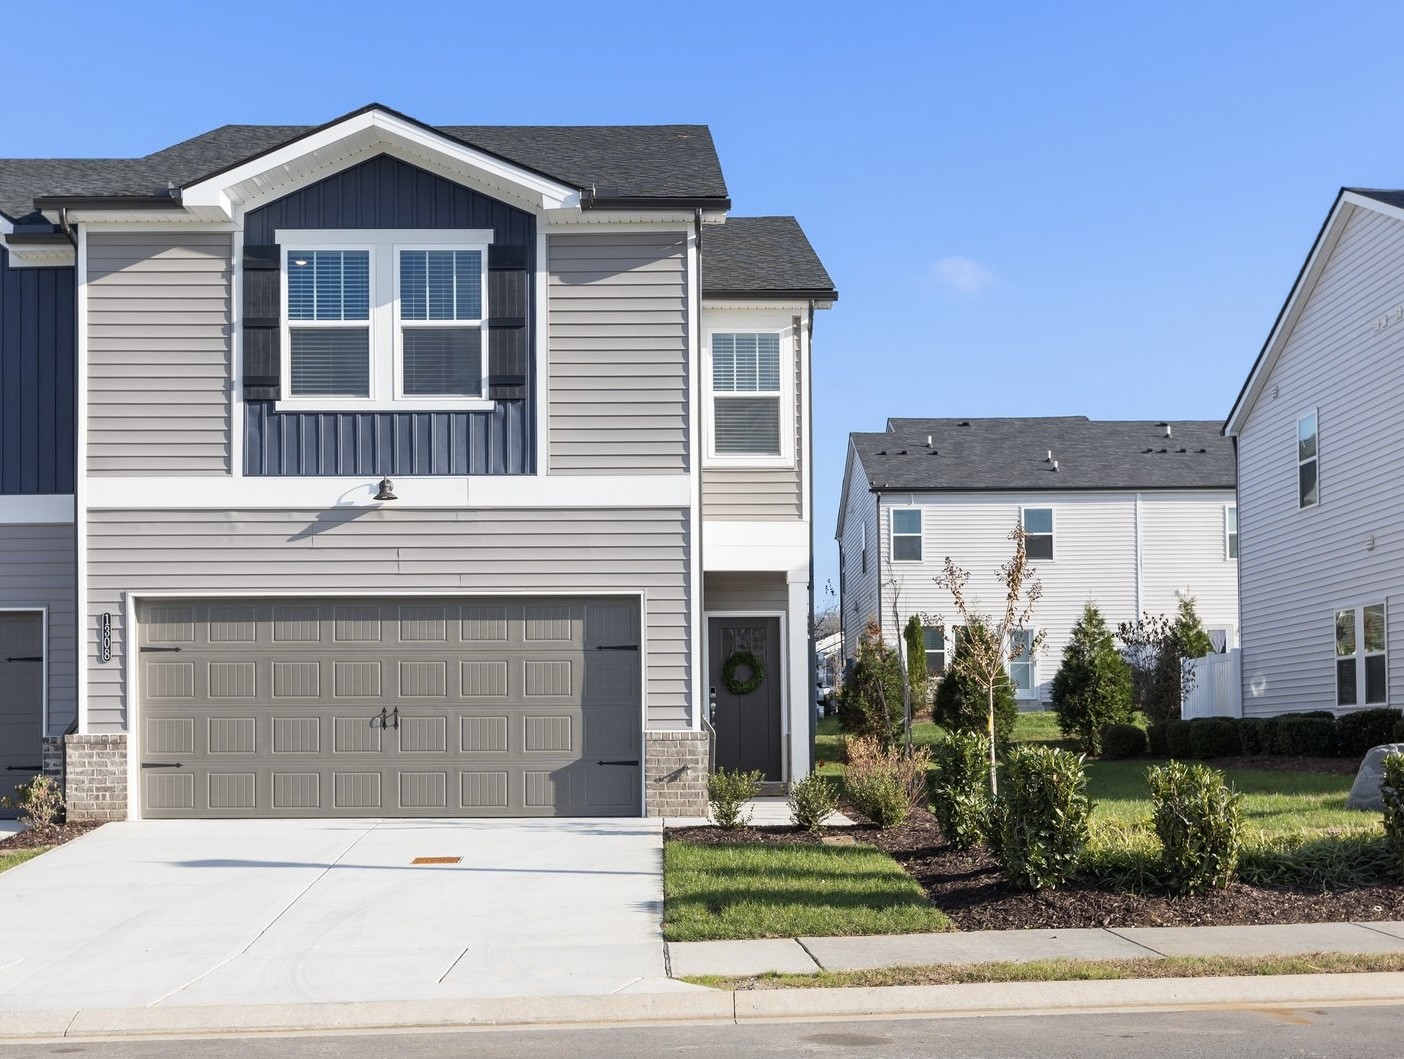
(940, 1001)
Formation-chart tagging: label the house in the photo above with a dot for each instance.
(1322, 567)
(383, 469)
(1133, 516)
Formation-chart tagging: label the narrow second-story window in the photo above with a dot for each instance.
(863, 547)
(1307, 494)
(746, 394)
(1231, 531)
(329, 322)
(1361, 656)
(441, 319)
(1038, 532)
(906, 535)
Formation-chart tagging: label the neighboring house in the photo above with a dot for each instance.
(419, 472)
(1322, 569)
(1132, 516)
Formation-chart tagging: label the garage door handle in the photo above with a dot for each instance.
(162, 765)
(635, 764)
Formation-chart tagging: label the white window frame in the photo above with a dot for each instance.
(386, 338)
(892, 534)
(1357, 609)
(744, 322)
(944, 652)
(1052, 528)
(1232, 540)
(1314, 458)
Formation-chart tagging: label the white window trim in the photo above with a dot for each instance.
(386, 341)
(742, 326)
(1230, 533)
(1028, 658)
(892, 535)
(1315, 417)
(1052, 527)
(1358, 609)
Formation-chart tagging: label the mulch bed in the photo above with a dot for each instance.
(969, 886)
(53, 835)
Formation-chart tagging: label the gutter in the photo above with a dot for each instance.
(593, 199)
(804, 294)
(169, 200)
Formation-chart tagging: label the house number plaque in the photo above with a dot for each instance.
(104, 637)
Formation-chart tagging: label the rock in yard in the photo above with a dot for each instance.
(1365, 791)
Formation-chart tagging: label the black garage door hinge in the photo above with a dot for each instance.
(617, 647)
(162, 765)
(162, 649)
(25, 658)
(635, 764)
(23, 768)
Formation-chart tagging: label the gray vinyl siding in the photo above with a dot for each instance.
(37, 570)
(618, 373)
(158, 353)
(858, 594)
(478, 552)
(745, 591)
(1297, 567)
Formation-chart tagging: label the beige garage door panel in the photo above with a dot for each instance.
(390, 708)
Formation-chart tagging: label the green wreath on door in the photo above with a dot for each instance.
(742, 687)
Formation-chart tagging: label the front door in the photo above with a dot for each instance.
(21, 699)
(747, 719)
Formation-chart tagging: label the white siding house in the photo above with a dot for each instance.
(1322, 567)
(1120, 514)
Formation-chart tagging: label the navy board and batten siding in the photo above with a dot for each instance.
(386, 193)
(37, 379)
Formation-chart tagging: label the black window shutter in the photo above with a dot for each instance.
(508, 304)
(262, 326)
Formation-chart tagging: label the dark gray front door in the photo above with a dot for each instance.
(21, 699)
(390, 707)
(748, 726)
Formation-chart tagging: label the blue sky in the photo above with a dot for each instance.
(1029, 209)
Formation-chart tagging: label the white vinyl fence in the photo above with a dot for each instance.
(1215, 686)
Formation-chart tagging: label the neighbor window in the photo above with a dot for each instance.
(746, 394)
(1021, 668)
(1307, 493)
(863, 546)
(934, 638)
(1231, 531)
(906, 535)
(1361, 658)
(1038, 532)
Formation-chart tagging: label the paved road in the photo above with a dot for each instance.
(1367, 1032)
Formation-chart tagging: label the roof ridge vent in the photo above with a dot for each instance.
(964, 423)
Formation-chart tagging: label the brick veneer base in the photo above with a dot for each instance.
(51, 760)
(675, 773)
(95, 776)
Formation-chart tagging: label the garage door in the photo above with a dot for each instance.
(403, 707)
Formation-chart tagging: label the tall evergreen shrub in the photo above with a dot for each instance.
(1092, 687)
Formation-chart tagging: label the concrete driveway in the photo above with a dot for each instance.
(253, 912)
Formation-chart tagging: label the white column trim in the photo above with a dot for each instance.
(80, 483)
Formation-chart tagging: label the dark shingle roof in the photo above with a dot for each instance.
(762, 255)
(1389, 198)
(1012, 454)
(620, 161)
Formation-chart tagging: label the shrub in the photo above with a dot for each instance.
(959, 788)
(1158, 738)
(915, 636)
(1121, 741)
(1360, 730)
(40, 802)
(1196, 815)
(1043, 816)
(1304, 735)
(1214, 737)
(1177, 738)
(727, 794)
(870, 703)
(1256, 734)
(1092, 687)
(884, 782)
(812, 800)
(1398, 733)
(1392, 791)
(961, 704)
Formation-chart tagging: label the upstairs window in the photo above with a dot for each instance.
(1231, 531)
(1361, 656)
(906, 535)
(441, 320)
(746, 396)
(1038, 532)
(1307, 495)
(329, 322)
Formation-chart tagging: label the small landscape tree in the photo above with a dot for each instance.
(960, 703)
(871, 701)
(1092, 687)
(915, 636)
(1148, 647)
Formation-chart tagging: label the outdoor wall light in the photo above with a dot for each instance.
(387, 492)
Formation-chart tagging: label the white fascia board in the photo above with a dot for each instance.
(60, 255)
(56, 510)
(218, 493)
(754, 546)
(625, 220)
(364, 129)
(843, 491)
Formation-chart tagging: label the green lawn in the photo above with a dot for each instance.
(783, 890)
(19, 856)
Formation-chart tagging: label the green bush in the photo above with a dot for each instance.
(1197, 816)
(1044, 812)
(871, 700)
(1360, 730)
(1121, 741)
(1392, 791)
(1257, 734)
(960, 703)
(40, 802)
(959, 788)
(727, 794)
(1177, 738)
(914, 634)
(812, 800)
(1092, 687)
(1214, 737)
(1398, 733)
(1158, 738)
(1304, 735)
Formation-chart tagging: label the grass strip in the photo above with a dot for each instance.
(1066, 971)
(19, 856)
(789, 890)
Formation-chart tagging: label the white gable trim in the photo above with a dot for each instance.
(1347, 202)
(317, 155)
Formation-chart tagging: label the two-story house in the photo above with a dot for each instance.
(381, 469)
(1133, 516)
(1322, 568)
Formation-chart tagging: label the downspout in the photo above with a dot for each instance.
(1139, 559)
(67, 228)
(699, 636)
(809, 452)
